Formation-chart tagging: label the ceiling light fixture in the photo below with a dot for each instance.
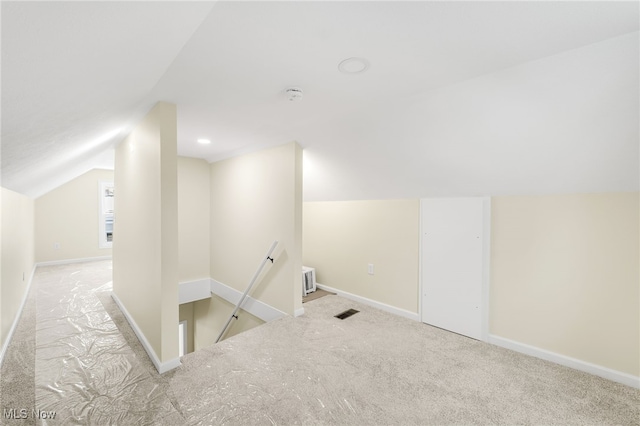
(354, 66)
(204, 141)
(294, 93)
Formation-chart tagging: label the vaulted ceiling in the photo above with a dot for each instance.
(461, 98)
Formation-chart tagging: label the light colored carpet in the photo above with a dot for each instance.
(372, 368)
(377, 368)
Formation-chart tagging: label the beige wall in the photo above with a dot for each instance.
(145, 246)
(193, 218)
(564, 269)
(211, 315)
(2, 338)
(256, 199)
(342, 237)
(17, 251)
(68, 215)
(565, 278)
(198, 209)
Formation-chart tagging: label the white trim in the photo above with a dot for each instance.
(14, 325)
(420, 231)
(597, 370)
(486, 267)
(68, 261)
(192, 291)
(162, 367)
(379, 305)
(299, 312)
(255, 307)
(184, 337)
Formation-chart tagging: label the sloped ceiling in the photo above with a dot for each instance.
(76, 76)
(462, 98)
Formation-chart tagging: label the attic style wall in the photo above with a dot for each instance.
(68, 215)
(565, 276)
(564, 268)
(342, 238)
(17, 256)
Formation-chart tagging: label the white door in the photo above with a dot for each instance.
(452, 264)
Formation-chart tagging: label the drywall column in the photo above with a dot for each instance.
(256, 199)
(17, 230)
(564, 276)
(145, 246)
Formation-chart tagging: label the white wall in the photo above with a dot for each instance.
(145, 246)
(341, 238)
(17, 251)
(68, 215)
(256, 199)
(565, 276)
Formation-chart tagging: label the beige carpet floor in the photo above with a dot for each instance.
(372, 368)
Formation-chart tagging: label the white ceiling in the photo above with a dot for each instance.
(462, 98)
(73, 72)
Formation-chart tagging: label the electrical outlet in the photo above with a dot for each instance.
(370, 268)
(56, 246)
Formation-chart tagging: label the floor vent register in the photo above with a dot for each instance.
(346, 314)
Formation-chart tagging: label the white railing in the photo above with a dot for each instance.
(253, 281)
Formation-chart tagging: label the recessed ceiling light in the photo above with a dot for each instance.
(204, 141)
(353, 66)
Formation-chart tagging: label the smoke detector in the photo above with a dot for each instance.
(294, 93)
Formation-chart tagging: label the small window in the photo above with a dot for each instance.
(105, 214)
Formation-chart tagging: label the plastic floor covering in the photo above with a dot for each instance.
(84, 372)
(74, 360)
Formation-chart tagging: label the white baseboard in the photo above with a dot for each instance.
(255, 307)
(597, 370)
(162, 367)
(14, 324)
(379, 305)
(299, 312)
(68, 261)
(192, 291)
